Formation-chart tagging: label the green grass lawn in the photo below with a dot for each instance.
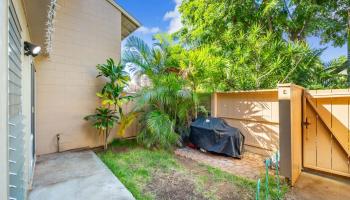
(158, 174)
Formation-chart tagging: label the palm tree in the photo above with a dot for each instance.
(167, 106)
(155, 60)
(166, 110)
(141, 58)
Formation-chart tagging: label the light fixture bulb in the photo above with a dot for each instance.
(36, 50)
(31, 49)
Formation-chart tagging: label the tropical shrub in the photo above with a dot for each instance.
(113, 97)
(169, 104)
(112, 94)
(166, 108)
(103, 120)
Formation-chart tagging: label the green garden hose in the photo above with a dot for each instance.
(267, 180)
(277, 175)
(257, 190)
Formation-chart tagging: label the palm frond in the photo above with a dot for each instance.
(159, 131)
(125, 122)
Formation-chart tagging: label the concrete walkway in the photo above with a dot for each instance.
(319, 187)
(75, 176)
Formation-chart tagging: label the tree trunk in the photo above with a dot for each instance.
(270, 24)
(106, 139)
(105, 146)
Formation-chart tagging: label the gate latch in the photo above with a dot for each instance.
(306, 123)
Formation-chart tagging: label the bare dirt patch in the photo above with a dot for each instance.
(220, 189)
(193, 182)
(173, 185)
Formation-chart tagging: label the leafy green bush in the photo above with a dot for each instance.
(112, 98)
(158, 130)
(166, 110)
(169, 104)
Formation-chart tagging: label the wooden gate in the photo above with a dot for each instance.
(326, 141)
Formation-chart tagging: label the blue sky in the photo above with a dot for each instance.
(331, 52)
(154, 15)
(163, 16)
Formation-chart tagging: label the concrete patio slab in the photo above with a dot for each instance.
(74, 176)
(319, 187)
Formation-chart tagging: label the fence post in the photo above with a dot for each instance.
(214, 105)
(290, 130)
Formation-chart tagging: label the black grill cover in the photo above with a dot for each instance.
(215, 135)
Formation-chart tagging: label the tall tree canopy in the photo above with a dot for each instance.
(205, 20)
(262, 45)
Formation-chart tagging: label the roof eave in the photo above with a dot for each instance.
(131, 20)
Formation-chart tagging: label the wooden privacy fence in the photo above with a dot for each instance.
(255, 113)
(326, 139)
(309, 128)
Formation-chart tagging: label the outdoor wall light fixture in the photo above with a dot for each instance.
(31, 49)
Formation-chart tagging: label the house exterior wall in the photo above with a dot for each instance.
(86, 34)
(26, 96)
(3, 99)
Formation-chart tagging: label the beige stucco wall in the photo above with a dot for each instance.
(86, 34)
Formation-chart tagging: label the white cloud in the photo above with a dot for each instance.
(148, 30)
(174, 18)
